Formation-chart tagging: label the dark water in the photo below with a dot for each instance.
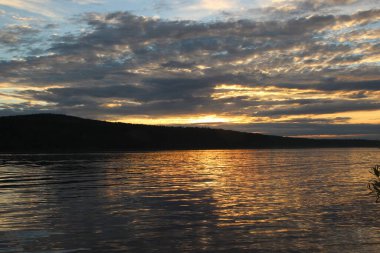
(190, 201)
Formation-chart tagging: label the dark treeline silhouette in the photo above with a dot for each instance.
(61, 133)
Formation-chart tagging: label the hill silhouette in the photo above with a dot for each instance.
(61, 133)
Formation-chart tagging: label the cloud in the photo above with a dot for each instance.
(13, 36)
(328, 107)
(289, 9)
(84, 2)
(122, 64)
(34, 6)
(334, 85)
(352, 131)
(122, 40)
(211, 5)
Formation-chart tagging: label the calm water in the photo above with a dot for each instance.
(190, 201)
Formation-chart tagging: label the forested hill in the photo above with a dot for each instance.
(61, 133)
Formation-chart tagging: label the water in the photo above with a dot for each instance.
(190, 201)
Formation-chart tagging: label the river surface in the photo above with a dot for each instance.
(312, 200)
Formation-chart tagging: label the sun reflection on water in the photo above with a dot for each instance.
(214, 200)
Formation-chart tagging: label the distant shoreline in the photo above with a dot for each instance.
(52, 133)
(167, 150)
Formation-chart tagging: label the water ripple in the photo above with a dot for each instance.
(189, 201)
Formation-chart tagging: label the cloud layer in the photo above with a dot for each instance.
(271, 74)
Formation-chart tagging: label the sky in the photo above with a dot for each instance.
(293, 68)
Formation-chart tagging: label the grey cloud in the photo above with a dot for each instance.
(318, 5)
(359, 95)
(189, 36)
(11, 36)
(188, 96)
(333, 85)
(123, 43)
(346, 58)
(23, 108)
(51, 26)
(62, 95)
(356, 131)
(178, 65)
(323, 108)
(317, 120)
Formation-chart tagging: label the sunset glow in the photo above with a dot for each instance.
(185, 120)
